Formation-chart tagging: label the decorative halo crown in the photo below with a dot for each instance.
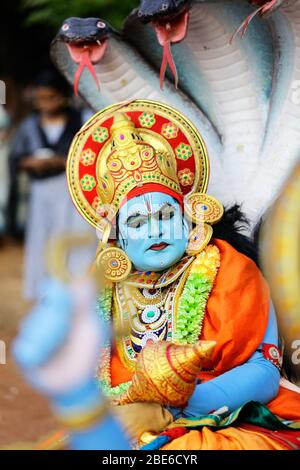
(131, 148)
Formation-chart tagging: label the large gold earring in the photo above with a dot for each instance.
(202, 208)
(112, 261)
(199, 238)
(204, 211)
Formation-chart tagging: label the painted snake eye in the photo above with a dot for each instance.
(101, 24)
(164, 6)
(65, 27)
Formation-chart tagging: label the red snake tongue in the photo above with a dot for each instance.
(169, 32)
(85, 62)
(167, 59)
(244, 26)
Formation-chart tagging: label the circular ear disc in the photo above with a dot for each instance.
(202, 208)
(114, 263)
(199, 238)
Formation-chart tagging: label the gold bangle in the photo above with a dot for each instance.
(86, 419)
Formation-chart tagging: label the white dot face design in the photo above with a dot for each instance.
(149, 336)
(65, 27)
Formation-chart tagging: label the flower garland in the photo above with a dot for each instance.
(190, 316)
(104, 309)
(193, 300)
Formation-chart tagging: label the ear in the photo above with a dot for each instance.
(121, 242)
(187, 226)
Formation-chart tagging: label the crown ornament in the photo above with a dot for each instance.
(131, 163)
(126, 146)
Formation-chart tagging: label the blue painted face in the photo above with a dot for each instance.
(153, 231)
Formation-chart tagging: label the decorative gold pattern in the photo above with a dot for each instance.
(100, 134)
(114, 263)
(124, 309)
(183, 151)
(147, 120)
(186, 177)
(84, 197)
(132, 162)
(166, 373)
(157, 280)
(87, 157)
(169, 130)
(199, 238)
(88, 183)
(200, 207)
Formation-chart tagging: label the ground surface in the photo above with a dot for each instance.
(24, 415)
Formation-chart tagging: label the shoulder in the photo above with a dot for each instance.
(238, 276)
(234, 260)
(237, 309)
(27, 124)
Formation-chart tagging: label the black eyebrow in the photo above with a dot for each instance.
(167, 204)
(132, 216)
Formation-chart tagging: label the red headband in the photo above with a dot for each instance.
(152, 188)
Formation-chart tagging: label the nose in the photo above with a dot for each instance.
(154, 228)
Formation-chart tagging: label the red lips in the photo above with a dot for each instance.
(159, 246)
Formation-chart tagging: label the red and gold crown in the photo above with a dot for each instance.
(132, 148)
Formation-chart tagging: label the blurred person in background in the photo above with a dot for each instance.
(4, 127)
(40, 148)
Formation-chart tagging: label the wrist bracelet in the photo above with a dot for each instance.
(86, 419)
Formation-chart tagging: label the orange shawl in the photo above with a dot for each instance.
(236, 317)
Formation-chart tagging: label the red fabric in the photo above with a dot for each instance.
(152, 188)
(175, 433)
(273, 354)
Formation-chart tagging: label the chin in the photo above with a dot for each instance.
(159, 260)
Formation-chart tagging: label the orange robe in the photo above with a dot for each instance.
(236, 317)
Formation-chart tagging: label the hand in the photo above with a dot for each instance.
(59, 343)
(38, 166)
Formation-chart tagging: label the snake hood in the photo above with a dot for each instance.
(242, 95)
(158, 9)
(86, 40)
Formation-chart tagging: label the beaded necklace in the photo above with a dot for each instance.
(190, 310)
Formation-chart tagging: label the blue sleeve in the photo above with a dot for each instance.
(257, 380)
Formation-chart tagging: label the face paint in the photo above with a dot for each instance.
(153, 231)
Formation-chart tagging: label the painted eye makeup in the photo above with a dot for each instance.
(167, 213)
(136, 222)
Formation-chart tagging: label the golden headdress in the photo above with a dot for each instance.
(127, 146)
(130, 149)
(132, 163)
